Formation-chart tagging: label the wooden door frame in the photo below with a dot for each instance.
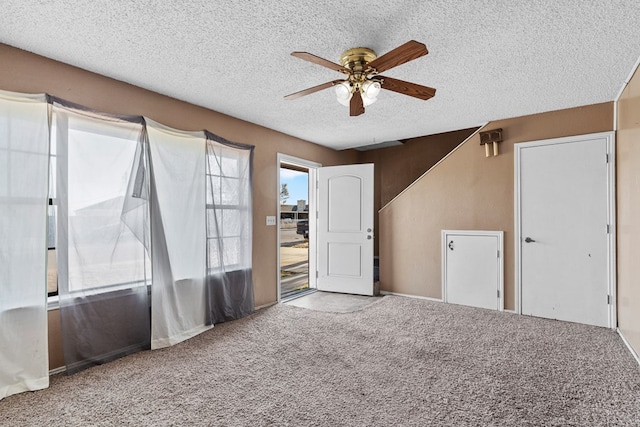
(312, 168)
(611, 215)
(497, 234)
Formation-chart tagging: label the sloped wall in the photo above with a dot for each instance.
(467, 191)
(628, 209)
(395, 168)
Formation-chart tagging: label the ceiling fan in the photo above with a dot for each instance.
(362, 67)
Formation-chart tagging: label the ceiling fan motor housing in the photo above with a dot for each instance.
(356, 59)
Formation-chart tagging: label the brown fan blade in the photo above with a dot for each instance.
(313, 89)
(406, 88)
(321, 61)
(407, 52)
(356, 106)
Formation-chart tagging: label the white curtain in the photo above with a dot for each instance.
(102, 228)
(24, 157)
(178, 242)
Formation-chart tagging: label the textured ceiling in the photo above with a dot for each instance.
(489, 59)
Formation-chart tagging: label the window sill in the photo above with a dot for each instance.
(53, 303)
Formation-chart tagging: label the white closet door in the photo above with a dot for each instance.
(473, 268)
(564, 204)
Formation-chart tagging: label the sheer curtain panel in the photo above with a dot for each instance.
(102, 228)
(229, 230)
(178, 235)
(24, 156)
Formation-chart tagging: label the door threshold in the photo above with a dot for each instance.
(297, 295)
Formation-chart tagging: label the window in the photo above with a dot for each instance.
(227, 226)
(93, 166)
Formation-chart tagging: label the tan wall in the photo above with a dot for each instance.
(468, 192)
(56, 357)
(628, 209)
(29, 73)
(395, 168)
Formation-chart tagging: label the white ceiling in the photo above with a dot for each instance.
(489, 59)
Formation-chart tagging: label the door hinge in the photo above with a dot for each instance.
(608, 299)
(608, 229)
(498, 254)
(607, 157)
(317, 274)
(498, 293)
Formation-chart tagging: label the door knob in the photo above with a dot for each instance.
(450, 245)
(369, 237)
(529, 240)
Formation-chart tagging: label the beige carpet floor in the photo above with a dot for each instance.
(398, 362)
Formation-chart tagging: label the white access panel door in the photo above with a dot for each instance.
(563, 195)
(345, 229)
(473, 268)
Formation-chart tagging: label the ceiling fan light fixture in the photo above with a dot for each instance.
(370, 91)
(343, 93)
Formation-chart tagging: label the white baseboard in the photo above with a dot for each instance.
(410, 296)
(430, 299)
(633, 352)
(56, 371)
(260, 307)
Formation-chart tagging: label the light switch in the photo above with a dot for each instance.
(271, 220)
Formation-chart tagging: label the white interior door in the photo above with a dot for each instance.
(564, 224)
(345, 229)
(472, 273)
